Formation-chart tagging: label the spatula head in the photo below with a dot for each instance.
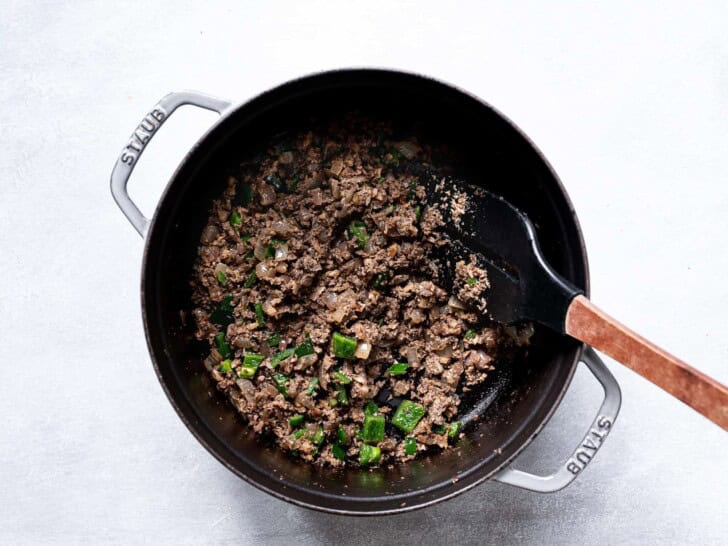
(502, 240)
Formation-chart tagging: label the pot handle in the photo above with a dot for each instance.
(587, 448)
(140, 138)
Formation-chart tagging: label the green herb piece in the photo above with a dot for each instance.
(222, 278)
(369, 454)
(222, 346)
(338, 452)
(344, 346)
(312, 386)
(236, 221)
(280, 357)
(407, 416)
(317, 437)
(398, 368)
(251, 362)
(223, 314)
(305, 348)
(259, 315)
(470, 334)
(439, 429)
(226, 366)
(281, 382)
(410, 446)
(341, 396)
(299, 433)
(251, 280)
(341, 436)
(243, 195)
(296, 420)
(358, 229)
(275, 339)
(342, 378)
(471, 281)
(371, 408)
(454, 429)
(373, 429)
(418, 213)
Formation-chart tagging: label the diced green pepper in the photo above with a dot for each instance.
(299, 433)
(251, 280)
(398, 368)
(341, 395)
(342, 378)
(317, 437)
(471, 281)
(251, 362)
(470, 334)
(305, 348)
(235, 219)
(259, 317)
(223, 314)
(373, 429)
(281, 382)
(369, 454)
(344, 346)
(275, 339)
(312, 386)
(226, 366)
(338, 452)
(357, 229)
(454, 429)
(407, 416)
(296, 420)
(222, 278)
(371, 408)
(418, 213)
(341, 436)
(222, 346)
(410, 446)
(280, 357)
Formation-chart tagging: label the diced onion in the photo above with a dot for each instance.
(269, 309)
(281, 251)
(330, 300)
(221, 268)
(363, 349)
(456, 303)
(264, 271)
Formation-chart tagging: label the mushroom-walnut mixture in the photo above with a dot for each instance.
(317, 289)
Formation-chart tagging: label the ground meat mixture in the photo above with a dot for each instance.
(316, 288)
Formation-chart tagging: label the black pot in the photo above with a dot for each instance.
(491, 151)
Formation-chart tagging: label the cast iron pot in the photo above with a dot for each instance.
(517, 401)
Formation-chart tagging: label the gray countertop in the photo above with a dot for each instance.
(628, 101)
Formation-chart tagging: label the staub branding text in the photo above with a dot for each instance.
(592, 442)
(142, 134)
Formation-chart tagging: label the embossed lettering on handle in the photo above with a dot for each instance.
(587, 448)
(138, 141)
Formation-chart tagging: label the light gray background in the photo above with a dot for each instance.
(628, 100)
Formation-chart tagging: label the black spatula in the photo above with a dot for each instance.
(522, 286)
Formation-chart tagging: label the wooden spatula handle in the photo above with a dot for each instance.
(586, 322)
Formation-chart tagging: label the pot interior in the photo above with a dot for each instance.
(489, 151)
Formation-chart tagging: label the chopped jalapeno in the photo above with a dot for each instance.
(470, 334)
(305, 348)
(223, 314)
(275, 339)
(407, 416)
(312, 386)
(281, 382)
(341, 396)
(454, 429)
(369, 454)
(410, 446)
(299, 433)
(317, 437)
(341, 437)
(226, 366)
(296, 420)
(371, 408)
(398, 368)
(342, 378)
(344, 346)
(251, 362)
(251, 280)
(222, 346)
(221, 278)
(235, 219)
(358, 229)
(338, 452)
(471, 281)
(373, 429)
(259, 315)
(280, 357)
